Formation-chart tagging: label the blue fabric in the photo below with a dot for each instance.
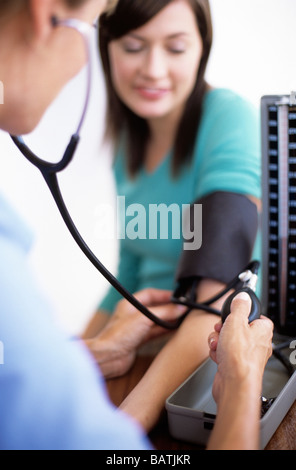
(226, 158)
(52, 395)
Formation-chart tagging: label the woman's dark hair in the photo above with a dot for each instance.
(130, 15)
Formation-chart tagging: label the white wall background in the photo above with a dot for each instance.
(254, 54)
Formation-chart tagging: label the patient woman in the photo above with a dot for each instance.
(177, 140)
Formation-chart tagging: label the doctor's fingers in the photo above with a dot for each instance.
(213, 341)
(213, 345)
(241, 307)
(263, 330)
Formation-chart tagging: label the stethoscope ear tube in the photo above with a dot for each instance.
(52, 182)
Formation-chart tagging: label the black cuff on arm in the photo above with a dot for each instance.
(229, 229)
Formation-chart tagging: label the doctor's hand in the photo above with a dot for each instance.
(115, 347)
(241, 350)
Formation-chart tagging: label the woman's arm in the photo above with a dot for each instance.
(115, 347)
(98, 321)
(185, 351)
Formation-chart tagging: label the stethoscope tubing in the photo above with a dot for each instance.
(49, 172)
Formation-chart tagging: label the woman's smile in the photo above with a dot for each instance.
(152, 93)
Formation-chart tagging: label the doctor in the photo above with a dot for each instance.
(52, 395)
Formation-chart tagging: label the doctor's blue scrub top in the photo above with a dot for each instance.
(52, 396)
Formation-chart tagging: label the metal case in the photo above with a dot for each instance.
(192, 410)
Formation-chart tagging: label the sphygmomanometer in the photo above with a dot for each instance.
(279, 210)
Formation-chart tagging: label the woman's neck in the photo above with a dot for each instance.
(166, 126)
(162, 137)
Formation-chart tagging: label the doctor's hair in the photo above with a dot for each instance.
(120, 120)
(11, 7)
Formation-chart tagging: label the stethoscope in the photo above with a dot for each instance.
(245, 281)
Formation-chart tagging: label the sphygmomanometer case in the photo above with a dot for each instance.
(192, 410)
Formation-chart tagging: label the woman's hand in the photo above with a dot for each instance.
(116, 345)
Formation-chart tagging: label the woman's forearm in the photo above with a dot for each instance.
(176, 361)
(186, 350)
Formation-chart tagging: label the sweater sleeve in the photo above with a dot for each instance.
(229, 147)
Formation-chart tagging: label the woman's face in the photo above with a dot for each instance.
(154, 68)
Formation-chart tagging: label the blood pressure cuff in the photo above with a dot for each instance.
(229, 228)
